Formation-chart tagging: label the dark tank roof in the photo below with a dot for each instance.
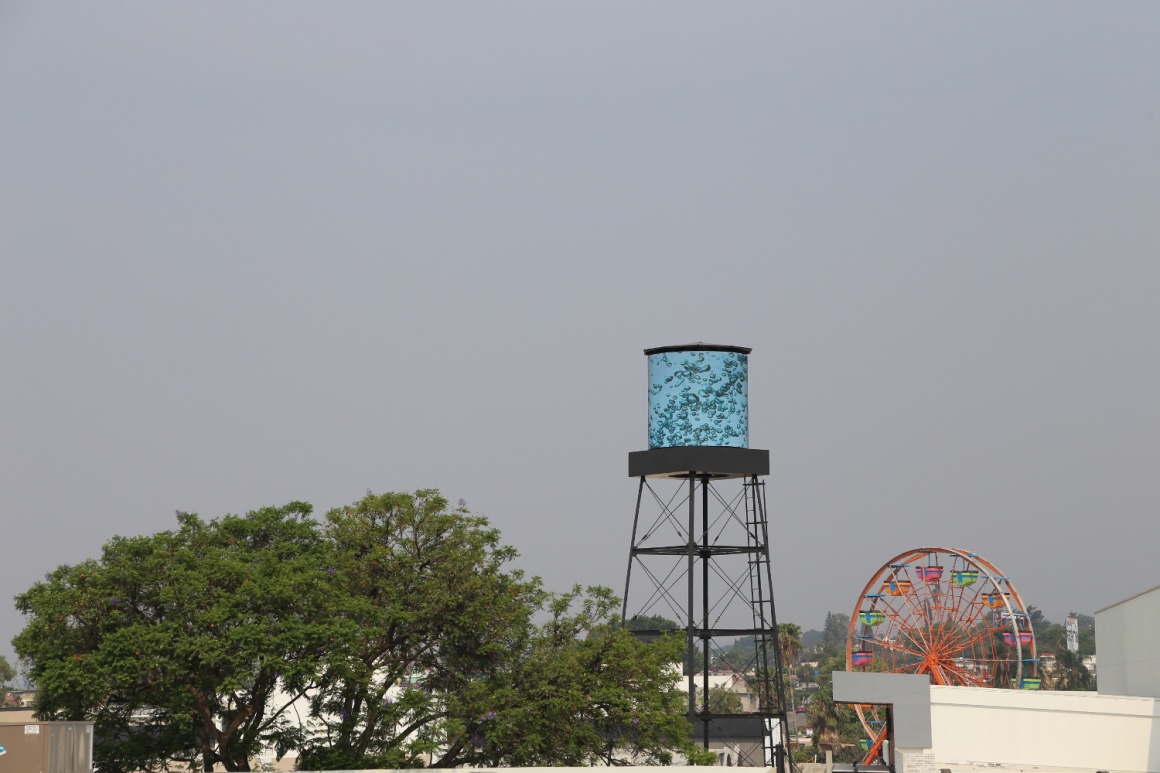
(699, 346)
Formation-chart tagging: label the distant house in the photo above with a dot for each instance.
(732, 681)
(24, 699)
(16, 708)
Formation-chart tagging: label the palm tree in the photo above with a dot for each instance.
(789, 647)
(1069, 672)
(789, 643)
(823, 718)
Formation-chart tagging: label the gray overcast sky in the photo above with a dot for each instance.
(256, 252)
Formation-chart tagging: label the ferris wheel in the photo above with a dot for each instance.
(943, 612)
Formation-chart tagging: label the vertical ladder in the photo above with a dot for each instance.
(771, 693)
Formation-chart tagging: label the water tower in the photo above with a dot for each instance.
(699, 555)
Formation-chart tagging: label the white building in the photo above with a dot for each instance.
(1128, 643)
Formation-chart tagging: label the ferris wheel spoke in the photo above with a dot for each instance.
(974, 680)
(959, 674)
(926, 612)
(953, 635)
(896, 647)
(915, 634)
(966, 610)
(900, 670)
(875, 745)
(964, 677)
(912, 603)
(951, 674)
(935, 673)
(898, 617)
(983, 635)
(970, 612)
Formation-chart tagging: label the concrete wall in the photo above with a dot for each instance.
(1074, 730)
(1128, 643)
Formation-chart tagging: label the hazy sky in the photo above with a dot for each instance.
(252, 253)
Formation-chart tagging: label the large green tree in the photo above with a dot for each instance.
(426, 603)
(580, 690)
(186, 645)
(645, 628)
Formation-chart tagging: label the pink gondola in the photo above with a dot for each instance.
(1025, 637)
(929, 573)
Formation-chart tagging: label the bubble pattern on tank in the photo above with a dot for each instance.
(698, 398)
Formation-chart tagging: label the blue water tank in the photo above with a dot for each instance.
(698, 395)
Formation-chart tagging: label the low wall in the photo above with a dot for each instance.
(1072, 730)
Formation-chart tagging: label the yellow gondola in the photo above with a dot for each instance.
(996, 600)
(897, 587)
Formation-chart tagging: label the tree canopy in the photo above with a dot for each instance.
(178, 644)
(391, 634)
(1052, 637)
